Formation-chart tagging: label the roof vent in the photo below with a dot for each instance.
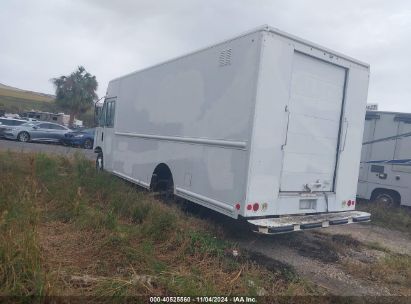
(225, 58)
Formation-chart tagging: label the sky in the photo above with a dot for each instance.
(43, 39)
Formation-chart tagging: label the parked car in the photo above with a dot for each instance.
(36, 131)
(81, 138)
(6, 123)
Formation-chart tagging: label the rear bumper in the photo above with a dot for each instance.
(292, 223)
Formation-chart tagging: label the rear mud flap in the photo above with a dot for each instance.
(292, 223)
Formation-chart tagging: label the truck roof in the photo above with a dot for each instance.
(265, 28)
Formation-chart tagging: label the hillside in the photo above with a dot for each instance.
(16, 100)
(9, 91)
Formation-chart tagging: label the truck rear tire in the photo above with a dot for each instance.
(162, 182)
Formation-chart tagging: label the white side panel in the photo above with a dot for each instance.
(403, 151)
(349, 158)
(317, 90)
(195, 115)
(386, 162)
(270, 125)
(369, 128)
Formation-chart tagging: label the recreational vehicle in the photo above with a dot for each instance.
(265, 126)
(385, 170)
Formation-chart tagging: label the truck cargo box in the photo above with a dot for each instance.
(263, 125)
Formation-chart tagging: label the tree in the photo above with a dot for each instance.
(76, 93)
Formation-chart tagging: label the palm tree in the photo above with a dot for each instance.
(76, 93)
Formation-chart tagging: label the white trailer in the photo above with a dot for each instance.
(264, 126)
(385, 170)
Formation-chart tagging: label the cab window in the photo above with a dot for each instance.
(102, 116)
(108, 113)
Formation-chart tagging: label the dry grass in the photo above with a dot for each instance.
(391, 270)
(371, 262)
(398, 218)
(66, 230)
(26, 95)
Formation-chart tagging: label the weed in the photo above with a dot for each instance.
(160, 225)
(376, 246)
(46, 168)
(201, 242)
(393, 217)
(140, 212)
(20, 261)
(392, 269)
(58, 217)
(110, 220)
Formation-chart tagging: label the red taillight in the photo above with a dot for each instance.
(237, 206)
(353, 203)
(349, 203)
(256, 206)
(249, 207)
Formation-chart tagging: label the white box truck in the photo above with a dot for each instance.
(264, 126)
(385, 170)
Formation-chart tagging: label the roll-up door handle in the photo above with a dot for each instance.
(286, 131)
(344, 134)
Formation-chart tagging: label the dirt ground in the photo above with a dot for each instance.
(321, 256)
(393, 240)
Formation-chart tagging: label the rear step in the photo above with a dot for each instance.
(302, 222)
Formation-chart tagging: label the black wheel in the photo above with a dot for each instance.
(100, 162)
(88, 144)
(162, 182)
(23, 137)
(169, 191)
(388, 198)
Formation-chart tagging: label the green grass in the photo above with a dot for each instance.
(61, 219)
(393, 217)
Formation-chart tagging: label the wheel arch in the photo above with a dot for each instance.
(161, 175)
(98, 150)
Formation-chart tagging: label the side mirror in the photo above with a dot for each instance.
(35, 127)
(97, 113)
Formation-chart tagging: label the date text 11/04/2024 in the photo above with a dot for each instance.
(233, 299)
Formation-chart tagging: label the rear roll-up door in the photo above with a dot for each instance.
(315, 105)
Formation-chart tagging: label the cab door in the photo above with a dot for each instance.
(100, 118)
(104, 136)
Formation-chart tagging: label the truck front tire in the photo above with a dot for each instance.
(100, 162)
